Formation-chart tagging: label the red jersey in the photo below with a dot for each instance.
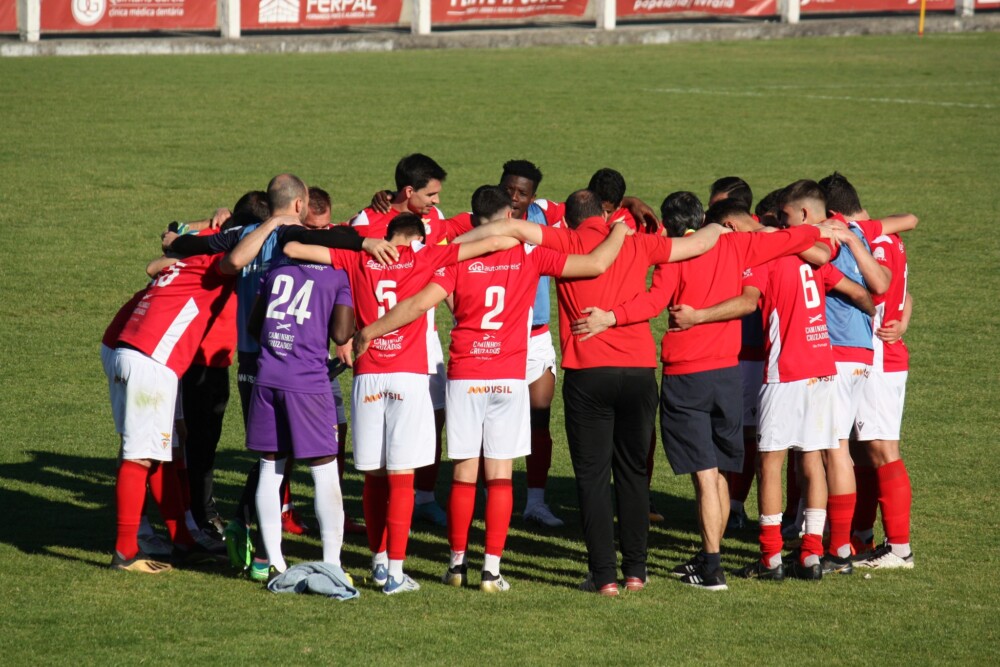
(630, 345)
(217, 347)
(457, 225)
(493, 299)
(793, 305)
(890, 252)
(377, 288)
(372, 224)
(110, 338)
(554, 211)
(171, 318)
(704, 281)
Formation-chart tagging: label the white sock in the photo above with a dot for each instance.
(329, 507)
(491, 564)
(381, 558)
(423, 497)
(535, 497)
(814, 520)
(269, 510)
(396, 569)
(901, 550)
(457, 558)
(844, 550)
(800, 516)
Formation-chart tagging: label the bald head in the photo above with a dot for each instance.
(288, 195)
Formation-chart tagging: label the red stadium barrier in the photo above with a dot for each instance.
(855, 6)
(144, 15)
(459, 11)
(631, 8)
(8, 16)
(307, 14)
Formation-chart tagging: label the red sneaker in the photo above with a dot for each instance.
(292, 523)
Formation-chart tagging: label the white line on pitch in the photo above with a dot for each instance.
(840, 98)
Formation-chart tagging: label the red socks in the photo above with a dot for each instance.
(165, 485)
(866, 480)
(771, 543)
(375, 501)
(461, 505)
(130, 493)
(840, 512)
(499, 505)
(812, 545)
(895, 497)
(538, 462)
(400, 514)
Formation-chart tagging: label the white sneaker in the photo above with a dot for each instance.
(542, 515)
(404, 585)
(154, 545)
(493, 583)
(885, 559)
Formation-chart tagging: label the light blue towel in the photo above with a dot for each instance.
(317, 578)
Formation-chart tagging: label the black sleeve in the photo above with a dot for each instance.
(192, 244)
(345, 238)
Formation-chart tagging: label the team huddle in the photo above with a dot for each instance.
(784, 333)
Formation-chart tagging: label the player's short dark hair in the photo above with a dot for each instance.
(840, 194)
(417, 170)
(250, 209)
(609, 185)
(522, 169)
(724, 209)
(319, 200)
(767, 208)
(284, 189)
(681, 211)
(581, 205)
(733, 187)
(406, 224)
(487, 201)
(802, 190)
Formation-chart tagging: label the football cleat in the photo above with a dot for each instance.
(807, 572)
(380, 574)
(836, 565)
(884, 559)
(541, 514)
(758, 570)
(493, 583)
(455, 576)
(140, 562)
(292, 523)
(430, 512)
(404, 585)
(706, 581)
(261, 571)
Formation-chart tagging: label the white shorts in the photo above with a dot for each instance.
(490, 416)
(541, 356)
(798, 415)
(438, 375)
(880, 415)
(753, 377)
(338, 401)
(851, 380)
(143, 398)
(393, 421)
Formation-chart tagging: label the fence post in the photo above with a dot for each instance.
(29, 19)
(789, 10)
(607, 14)
(229, 18)
(421, 23)
(965, 8)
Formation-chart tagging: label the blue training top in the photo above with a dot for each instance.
(848, 325)
(541, 311)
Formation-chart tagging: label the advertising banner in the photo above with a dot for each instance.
(8, 15)
(458, 11)
(859, 6)
(987, 4)
(138, 15)
(730, 7)
(316, 14)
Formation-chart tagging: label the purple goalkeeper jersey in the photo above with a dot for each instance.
(298, 325)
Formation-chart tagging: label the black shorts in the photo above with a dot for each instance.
(701, 418)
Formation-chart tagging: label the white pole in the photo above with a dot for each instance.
(421, 24)
(29, 19)
(607, 14)
(229, 19)
(965, 8)
(789, 11)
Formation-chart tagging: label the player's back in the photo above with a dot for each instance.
(298, 325)
(374, 224)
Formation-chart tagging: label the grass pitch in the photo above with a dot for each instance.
(98, 154)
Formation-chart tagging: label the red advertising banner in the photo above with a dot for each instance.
(314, 14)
(141, 15)
(858, 6)
(987, 4)
(458, 11)
(8, 15)
(729, 7)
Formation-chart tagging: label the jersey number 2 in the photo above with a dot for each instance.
(494, 299)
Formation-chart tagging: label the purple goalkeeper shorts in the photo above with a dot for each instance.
(304, 425)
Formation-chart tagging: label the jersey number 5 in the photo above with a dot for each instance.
(385, 294)
(298, 308)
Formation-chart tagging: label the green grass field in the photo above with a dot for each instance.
(98, 154)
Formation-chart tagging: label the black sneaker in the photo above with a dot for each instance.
(757, 570)
(693, 566)
(807, 572)
(836, 565)
(708, 581)
(196, 556)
